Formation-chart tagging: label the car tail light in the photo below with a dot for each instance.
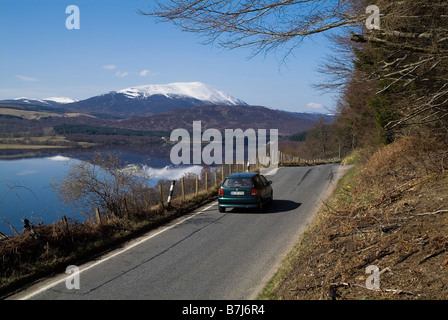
(221, 192)
(254, 192)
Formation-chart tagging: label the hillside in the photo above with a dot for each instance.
(389, 211)
(119, 104)
(221, 118)
(15, 119)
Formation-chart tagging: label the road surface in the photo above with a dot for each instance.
(205, 255)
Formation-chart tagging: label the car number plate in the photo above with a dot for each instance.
(237, 193)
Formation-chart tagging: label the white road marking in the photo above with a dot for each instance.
(56, 282)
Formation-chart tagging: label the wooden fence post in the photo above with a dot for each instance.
(216, 179)
(160, 197)
(197, 185)
(183, 187)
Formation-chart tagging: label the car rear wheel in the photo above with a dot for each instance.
(222, 209)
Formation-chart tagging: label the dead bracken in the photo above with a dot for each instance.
(395, 216)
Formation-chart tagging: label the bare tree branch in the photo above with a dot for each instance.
(262, 25)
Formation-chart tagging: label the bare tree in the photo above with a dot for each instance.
(259, 24)
(104, 183)
(321, 141)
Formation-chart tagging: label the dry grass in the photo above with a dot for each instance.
(391, 212)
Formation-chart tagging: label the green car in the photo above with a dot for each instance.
(244, 190)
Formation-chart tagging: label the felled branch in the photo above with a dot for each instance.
(429, 213)
(334, 286)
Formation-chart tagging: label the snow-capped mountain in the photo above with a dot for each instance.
(141, 100)
(195, 90)
(154, 99)
(47, 102)
(62, 100)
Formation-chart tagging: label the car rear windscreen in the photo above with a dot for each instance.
(238, 183)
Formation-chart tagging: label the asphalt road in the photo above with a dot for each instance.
(205, 255)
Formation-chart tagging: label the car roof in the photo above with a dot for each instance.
(243, 175)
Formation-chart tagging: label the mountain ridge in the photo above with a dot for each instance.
(46, 102)
(195, 90)
(141, 100)
(168, 107)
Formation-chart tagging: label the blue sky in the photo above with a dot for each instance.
(116, 48)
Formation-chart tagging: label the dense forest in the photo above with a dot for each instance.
(392, 79)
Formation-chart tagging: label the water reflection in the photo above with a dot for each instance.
(25, 190)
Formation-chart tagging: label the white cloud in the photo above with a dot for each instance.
(166, 173)
(121, 74)
(314, 105)
(26, 78)
(109, 67)
(144, 73)
(171, 173)
(59, 158)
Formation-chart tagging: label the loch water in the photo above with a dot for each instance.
(26, 192)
